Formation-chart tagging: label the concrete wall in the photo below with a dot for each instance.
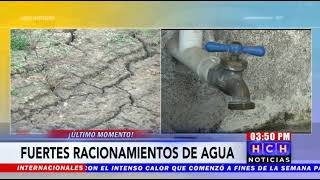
(279, 82)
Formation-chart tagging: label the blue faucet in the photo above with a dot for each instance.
(236, 48)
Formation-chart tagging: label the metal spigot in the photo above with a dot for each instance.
(228, 75)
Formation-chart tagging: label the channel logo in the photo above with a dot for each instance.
(269, 147)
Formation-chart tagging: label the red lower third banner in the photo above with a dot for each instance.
(83, 134)
(42, 167)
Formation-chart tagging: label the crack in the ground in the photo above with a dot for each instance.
(83, 82)
(118, 81)
(62, 100)
(134, 104)
(76, 47)
(39, 110)
(103, 68)
(48, 106)
(144, 44)
(37, 97)
(36, 111)
(72, 35)
(116, 113)
(147, 109)
(78, 95)
(27, 69)
(72, 39)
(130, 121)
(54, 44)
(131, 73)
(53, 90)
(127, 65)
(132, 101)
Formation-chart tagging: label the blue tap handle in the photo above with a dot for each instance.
(235, 48)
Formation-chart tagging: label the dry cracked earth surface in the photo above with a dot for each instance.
(85, 79)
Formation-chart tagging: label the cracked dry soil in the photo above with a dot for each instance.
(86, 79)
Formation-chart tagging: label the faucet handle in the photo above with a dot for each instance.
(236, 48)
